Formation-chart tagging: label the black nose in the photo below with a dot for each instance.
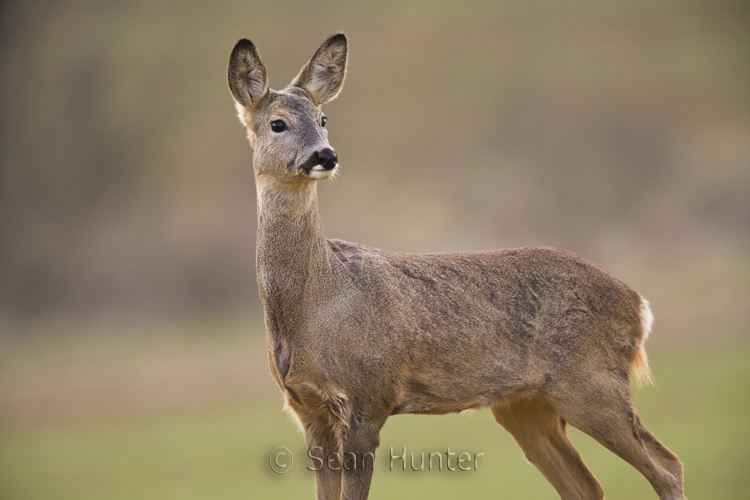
(327, 158)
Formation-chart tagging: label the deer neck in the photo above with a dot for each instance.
(292, 254)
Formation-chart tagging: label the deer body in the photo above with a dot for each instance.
(356, 334)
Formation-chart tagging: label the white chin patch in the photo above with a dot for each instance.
(319, 173)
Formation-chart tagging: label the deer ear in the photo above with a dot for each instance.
(248, 79)
(323, 75)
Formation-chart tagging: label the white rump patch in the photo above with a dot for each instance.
(647, 319)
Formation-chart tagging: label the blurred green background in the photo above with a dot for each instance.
(132, 355)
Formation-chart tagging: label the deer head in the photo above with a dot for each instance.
(286, 128)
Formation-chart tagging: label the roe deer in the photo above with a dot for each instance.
(356, 334)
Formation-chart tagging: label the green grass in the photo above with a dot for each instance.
(699, 409)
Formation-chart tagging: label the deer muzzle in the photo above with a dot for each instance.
(324, 159)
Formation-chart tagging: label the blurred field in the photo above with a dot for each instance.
(698, 408)
(132, 356)
(616, 129)
(189, 411)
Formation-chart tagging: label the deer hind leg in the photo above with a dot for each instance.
(540, 432)
(604, 410)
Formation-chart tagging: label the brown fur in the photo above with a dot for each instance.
(355, 334)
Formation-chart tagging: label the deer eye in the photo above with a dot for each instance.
(323, 121)
(278, 126)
